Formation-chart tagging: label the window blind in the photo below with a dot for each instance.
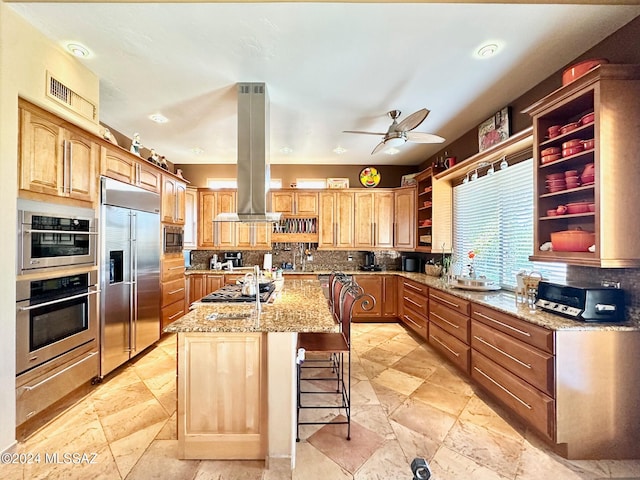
(493, 217)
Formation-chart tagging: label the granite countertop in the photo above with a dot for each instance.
(296, 306)
(501, 300)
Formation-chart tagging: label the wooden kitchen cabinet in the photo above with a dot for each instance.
(172, 289)
(56, 158)
(449, 327)
(253, 236)
(369, 307)
(190, 218)
(202, 284)
(336, 220)
(173, 200)
(216, 234)
(374, 219)
(121, 165)
(389, 297)
(295, 202)
(611, 93)
(413, 299)
(424, 210)
(405, 218)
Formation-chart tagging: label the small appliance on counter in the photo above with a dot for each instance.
(411, 264)
(370, 263)
(589, 303)
(234, 257)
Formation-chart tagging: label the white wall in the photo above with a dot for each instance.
(25, 55)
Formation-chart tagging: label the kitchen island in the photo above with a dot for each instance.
(237, 377)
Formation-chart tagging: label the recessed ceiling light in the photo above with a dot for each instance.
(78, 50)
(391, 151)
(487, 51)
(158, 118)
(197, 150)
(339, 150)
(286, 150)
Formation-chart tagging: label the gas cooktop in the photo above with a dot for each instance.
(233, 293)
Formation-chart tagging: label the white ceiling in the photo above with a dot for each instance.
(328, 67)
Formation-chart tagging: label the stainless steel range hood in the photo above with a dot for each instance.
(253, 156)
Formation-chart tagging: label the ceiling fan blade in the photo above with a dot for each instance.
(413, 120)
(379, 147)
(363, 133)
(421, 137)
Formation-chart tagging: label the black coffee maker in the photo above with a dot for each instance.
(370, 262)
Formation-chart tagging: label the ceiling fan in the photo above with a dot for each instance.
(399, 133)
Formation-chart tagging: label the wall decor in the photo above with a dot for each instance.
(337, 183)
(369, 177)
(495, 129)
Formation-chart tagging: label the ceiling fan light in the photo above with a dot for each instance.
(394, 142)
(391, 151)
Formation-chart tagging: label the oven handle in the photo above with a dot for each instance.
(28, 388)
(53, 302)
(69, 232)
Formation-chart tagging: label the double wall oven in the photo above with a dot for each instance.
(56, 304)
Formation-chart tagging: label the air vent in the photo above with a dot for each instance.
(70, 99)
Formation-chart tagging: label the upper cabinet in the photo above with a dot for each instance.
(336, 219)
(191, 218)
(587, 170)
(373, 219)
(405, 218)
(173, 200)
(121, 165)
(292, 202)
(55, 158)
(216, 234)
(424, 218)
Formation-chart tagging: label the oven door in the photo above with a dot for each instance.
(56, 240)
(49, 327)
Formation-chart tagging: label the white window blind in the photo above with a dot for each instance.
(493, 217)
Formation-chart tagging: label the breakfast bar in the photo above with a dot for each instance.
(236, 373)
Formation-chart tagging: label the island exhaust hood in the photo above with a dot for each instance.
(253, 156)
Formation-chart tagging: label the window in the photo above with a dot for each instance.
(218, 183)
(311, 183)
(493, 217)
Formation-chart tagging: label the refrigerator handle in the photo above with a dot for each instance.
(133, 275)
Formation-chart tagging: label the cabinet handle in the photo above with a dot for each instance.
(28, 388)
(176, 291)
(70, 167)
(506, 390)
(445, 320)
(417, 289)
(445, 346)
(455, 305)
(483, 341)
(411, 321)
(64, 166)
(411, 301)
(176, 268)
(176, 314)
(521, 332)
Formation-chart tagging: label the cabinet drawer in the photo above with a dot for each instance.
(530, 364)
(416, 322)
(533, 406)
(171, 313)
(451, 301)
(415, 302)
(415, 287)
(173, 291)
(452, 348)
(172, 268)
(532, 334)
(450, 320)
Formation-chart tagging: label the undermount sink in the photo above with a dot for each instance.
(468, 283)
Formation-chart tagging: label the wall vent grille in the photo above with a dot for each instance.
(59, 92)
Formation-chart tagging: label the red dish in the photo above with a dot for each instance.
(567, 152)
(556, 189)
(578, 207)
(554, 130)
(592, 207)
(552, 213)
(550, 151)
(571, 173)
(555, 176)
(576, 71)
(588, 118)
(571, 143)
(588, 144)
(569, 127)
(556, 183)
(572, 241)
(551, 158)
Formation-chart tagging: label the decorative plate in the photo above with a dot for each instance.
(369, 177)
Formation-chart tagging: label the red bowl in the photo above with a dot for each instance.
(572, 241)
(576, 71)
(556, 183)
(552, 213)
(567, 152)
(571, 173)
(554, 130)
(587, 179)
(578, 207)
(555, 176)
(575, 179)
(551, 158)
(556, 189)
(588, 144)
(589, 169)
(550, 151)
(588, 118)
(569, 127)
(592, 207)
(571, 143)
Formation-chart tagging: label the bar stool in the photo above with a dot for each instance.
(338, 345)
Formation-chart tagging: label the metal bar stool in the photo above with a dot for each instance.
(338, 345)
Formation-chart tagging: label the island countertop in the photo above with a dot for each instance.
(298, 306)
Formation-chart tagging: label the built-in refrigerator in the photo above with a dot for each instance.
(129, 272)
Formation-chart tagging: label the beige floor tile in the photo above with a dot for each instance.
(114, 400)
(441, 398)
(160, 462)
(491, 416)
(388, 462)
(372, 369)
(362, 393)
(389, 399)
(128, 450)
(424, 419)
(229, 470)
(398, 381)
(452, 380)
(381, 356)
(312, 463)
(450, 465)
(412, 364)
(397, 346)
(129, 420)
(170, 429)
(489, 449)
(374, 418)
(414, 444)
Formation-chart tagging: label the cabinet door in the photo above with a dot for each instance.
(372, 285)
(213, 283)
(181, 192)
(168, 199)
(327, 228)
(117, 165)
(306, 203)
(82, 157)
(41, 153)
(256, 236)
(364, 236)
(148, 177)
(344, 219)
(405, 207)
(390, 296)
(383, 219)
(190, 218)
(206, 214)
(282, 202)
(225, 231)
(196, 287)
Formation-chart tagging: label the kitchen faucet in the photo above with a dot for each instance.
(228, 264)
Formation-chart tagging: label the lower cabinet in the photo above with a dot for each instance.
(172, 287)
(414, 301)
(201, 284)
(368, 308)
(449, 327)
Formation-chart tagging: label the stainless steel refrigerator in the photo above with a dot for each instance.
(130, 272)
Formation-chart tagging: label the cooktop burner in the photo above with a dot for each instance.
(233, 293)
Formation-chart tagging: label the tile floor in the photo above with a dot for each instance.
(406, 400)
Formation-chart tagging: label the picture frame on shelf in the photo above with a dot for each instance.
(337, 183)
(495, 129)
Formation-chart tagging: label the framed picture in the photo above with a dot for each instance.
(369, 177)
(337, 183)
(495, 129)
(409, 179)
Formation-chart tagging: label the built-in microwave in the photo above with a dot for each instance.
(51, 235)
(173, 240)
